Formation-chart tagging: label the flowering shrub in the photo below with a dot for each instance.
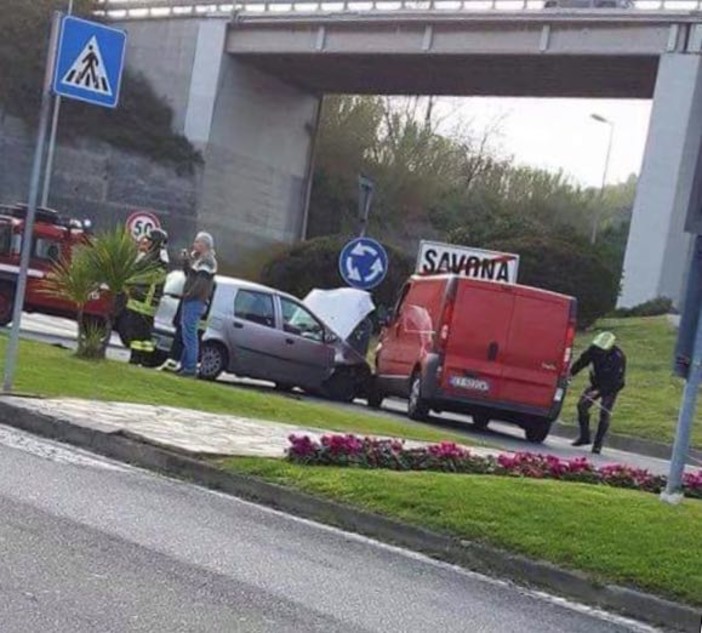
(351, 450)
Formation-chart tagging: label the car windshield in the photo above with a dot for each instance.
(298, 320)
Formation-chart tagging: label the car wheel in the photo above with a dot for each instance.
(536, 431)
(213, 360)
(417, 409)
(341, 386)
(481, 421)
(7, 303)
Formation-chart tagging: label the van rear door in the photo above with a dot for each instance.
(477, 340)
(534, 356)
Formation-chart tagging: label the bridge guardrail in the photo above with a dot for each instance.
(133, 9)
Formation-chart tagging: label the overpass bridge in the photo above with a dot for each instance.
(246, 81)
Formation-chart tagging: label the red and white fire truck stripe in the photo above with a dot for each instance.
(32, 272)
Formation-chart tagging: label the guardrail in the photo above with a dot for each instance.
(120, 9)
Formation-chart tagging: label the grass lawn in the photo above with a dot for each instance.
(50, 371)
(648, 407)
(627, 537)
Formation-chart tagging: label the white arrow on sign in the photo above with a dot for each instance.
(376, 270)
(362, 249)
(353, 272)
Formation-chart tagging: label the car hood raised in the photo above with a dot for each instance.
(342, 309)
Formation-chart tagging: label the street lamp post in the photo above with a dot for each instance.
(598, 212)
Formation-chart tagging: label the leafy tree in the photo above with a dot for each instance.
(143, 121)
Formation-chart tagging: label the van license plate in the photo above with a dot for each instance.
(470, 384)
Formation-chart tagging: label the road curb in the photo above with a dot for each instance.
(474, 556)
(627, 443)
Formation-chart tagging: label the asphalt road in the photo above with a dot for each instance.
(90, 545)
(504, 436)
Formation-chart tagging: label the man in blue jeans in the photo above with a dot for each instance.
(200, 268)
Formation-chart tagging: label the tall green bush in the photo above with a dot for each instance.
(141, 123)
(570, 266)
(315, 264)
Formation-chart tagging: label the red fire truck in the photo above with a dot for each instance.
(55, 236)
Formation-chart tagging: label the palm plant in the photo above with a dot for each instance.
(74, 280)
(105, 267)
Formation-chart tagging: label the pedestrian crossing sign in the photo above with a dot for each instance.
(89, 62)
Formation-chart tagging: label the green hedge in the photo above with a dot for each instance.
(571, 267)
(315, 264)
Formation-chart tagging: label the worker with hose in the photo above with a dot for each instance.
(607, 379)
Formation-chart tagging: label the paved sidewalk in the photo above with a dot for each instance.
(192, 432)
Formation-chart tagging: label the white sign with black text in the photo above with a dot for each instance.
(436, 258)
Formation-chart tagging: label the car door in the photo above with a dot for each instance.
(252, 334)
(389, 358)
(306, 357)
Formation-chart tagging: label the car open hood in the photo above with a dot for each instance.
(342, 309)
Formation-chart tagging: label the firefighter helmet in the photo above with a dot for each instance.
(605, 341)
(158, 237)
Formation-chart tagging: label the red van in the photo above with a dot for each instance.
(494, 351)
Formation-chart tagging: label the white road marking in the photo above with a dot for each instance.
(633, 625)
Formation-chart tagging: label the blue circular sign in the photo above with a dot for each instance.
(363, 263)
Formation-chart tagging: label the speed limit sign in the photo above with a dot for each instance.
(141, 223)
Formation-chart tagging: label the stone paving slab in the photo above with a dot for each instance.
(192, 432)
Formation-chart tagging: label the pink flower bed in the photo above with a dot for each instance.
(350, 450)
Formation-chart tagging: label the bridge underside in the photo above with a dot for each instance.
(505, 75)
(612, 56)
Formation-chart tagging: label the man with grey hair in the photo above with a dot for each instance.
(200, 267)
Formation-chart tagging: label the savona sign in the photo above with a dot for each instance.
(436, 258)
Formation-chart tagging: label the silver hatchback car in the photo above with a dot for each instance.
(257, 332)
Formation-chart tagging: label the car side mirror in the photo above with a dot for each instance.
(387, 318)
(330, 337)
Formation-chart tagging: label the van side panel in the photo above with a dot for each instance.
(477, 340)
(535, 349)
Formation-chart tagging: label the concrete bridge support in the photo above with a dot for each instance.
(658, 249)
(255, 132)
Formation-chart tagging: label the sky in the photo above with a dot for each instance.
(557, 134)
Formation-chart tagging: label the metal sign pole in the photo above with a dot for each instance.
(44, 116)
(673, 492)
(52, 140)
(365, 200)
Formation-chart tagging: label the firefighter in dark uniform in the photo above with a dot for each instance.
(607, 379)
(143, 298)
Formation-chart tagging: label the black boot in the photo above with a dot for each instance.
(582, 441)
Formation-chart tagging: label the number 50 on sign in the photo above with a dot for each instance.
(141, 223)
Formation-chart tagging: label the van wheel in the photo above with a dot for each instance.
(7, 303)
(481, 421)
(417, 409)
(213, 360)
(536, 431)
(341, 387)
